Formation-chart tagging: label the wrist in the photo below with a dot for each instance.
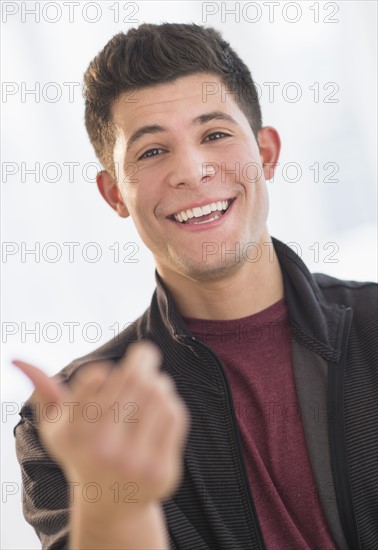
(136, 526)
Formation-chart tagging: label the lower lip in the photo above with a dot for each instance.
(204, 226)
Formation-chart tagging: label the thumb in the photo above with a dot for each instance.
(48, 390)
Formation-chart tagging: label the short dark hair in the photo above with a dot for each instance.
(153, 54)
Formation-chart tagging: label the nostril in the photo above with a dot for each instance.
(210, 170)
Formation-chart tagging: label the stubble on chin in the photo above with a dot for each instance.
(214, 269)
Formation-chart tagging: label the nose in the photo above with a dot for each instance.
(190, 170)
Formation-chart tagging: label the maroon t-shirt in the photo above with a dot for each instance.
(256, 354)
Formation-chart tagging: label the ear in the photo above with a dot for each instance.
(270, 145)
(110, 192)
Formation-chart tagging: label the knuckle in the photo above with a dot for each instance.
(175, 412)
(171, 412)
(166, 383)
(159, 387)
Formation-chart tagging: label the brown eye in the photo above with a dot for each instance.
(148, 155)
(214, 134)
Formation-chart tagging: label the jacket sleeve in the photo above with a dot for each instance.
(45, 494)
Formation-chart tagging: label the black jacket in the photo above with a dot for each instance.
(334, 326)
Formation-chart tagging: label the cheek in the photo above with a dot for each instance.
(144, 204)
(241, 164)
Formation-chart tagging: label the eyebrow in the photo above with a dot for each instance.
(199, 120)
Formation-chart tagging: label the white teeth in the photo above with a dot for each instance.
(199, 211)
(209, 220)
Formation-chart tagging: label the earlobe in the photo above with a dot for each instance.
(270, 145)
(110, 193)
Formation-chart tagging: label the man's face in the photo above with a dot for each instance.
(170, 170)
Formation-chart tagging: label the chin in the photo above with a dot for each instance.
(212, 270)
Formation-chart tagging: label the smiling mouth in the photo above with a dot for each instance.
(203, 214)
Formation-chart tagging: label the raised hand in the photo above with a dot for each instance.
(121, 426)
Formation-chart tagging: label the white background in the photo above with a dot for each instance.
(39, 129)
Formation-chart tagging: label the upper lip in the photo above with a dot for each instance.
(197, 204)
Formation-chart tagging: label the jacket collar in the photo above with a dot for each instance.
(315, 323)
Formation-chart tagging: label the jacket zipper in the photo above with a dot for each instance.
(259, 537)
(336, 436)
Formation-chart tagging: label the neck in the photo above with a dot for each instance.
(252, 288)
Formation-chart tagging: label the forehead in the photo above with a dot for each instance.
(174, 101)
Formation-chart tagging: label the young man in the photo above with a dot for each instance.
(254, 405)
